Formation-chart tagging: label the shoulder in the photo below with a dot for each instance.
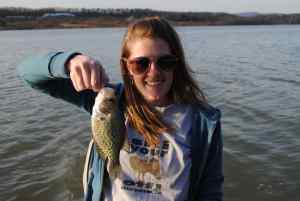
(206, 124)
(207, 111)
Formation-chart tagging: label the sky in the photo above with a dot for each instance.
(229, 6)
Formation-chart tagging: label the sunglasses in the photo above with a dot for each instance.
(140, 65)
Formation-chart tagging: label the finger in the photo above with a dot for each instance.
(104, 78)
(86, 75)
(95, 79)
(101, 76)
(73, 81)
(99, 79)
(78, 78)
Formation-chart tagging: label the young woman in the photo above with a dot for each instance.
(174, 134)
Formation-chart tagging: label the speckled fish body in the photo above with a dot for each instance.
(108, 129)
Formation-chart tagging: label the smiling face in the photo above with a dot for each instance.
(154, 84)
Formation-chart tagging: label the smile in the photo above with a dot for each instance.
(154, 83)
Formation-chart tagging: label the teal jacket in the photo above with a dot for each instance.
(47, 74)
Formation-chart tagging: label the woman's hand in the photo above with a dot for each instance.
(86, 73)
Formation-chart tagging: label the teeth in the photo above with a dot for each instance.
(154, 83)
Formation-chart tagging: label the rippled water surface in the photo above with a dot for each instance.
(252, 73)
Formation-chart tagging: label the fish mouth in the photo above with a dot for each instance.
(105, 109)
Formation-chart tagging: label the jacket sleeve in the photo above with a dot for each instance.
(211, 185)
(47, 73)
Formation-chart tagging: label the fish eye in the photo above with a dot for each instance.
(111, 100)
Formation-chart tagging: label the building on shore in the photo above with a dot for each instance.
(57, 15)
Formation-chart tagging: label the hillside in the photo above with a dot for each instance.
(24, 18)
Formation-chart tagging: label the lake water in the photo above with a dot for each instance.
(252, 73)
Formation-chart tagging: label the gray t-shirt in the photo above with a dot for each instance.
(160, 174)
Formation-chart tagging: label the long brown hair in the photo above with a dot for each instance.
(141, 116)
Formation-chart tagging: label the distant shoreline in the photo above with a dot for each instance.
(86, 23)
(51, 18)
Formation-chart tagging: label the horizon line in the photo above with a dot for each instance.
(185, 11)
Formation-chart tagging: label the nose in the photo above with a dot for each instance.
(153, 69)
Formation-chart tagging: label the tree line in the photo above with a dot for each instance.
(11, 14)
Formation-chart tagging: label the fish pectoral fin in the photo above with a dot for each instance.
(100, 152)
(113, 168)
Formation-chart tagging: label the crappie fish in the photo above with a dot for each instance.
(108, 129)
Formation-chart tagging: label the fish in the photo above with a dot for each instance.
(108, 129)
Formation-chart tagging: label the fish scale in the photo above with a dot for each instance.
(108, 129)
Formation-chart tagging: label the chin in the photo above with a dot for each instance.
(157, 101)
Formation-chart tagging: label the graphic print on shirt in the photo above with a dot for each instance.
(142, 166)
(145, 164)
